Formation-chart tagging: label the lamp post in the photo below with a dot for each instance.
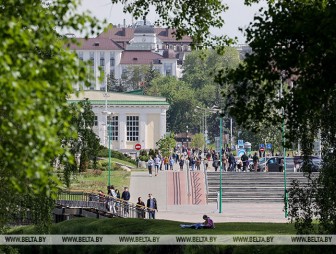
(109, 135)
(284, 152)
(221, 162)
(215, 109)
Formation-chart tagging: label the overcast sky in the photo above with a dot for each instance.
(237, 16)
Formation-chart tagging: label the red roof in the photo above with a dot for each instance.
(126, 34)
(95, 44)
(140, 57)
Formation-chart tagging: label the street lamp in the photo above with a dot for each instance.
(109, 136)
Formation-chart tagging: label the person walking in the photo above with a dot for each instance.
(181, 163)
(151, 206)
(245, 161)
(140, 207)
(232, 162)
(126, 197)
(150, 165)
(157, 164)
(255, 162)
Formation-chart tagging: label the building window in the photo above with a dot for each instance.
(92, 58)
(132, 126)
(80, 55)
(113, 124)
(95, 121)
(168, 69)
(112, 60)
(102, 59)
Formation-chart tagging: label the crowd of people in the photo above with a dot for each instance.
(194, 158)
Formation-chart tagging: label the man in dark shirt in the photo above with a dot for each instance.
(126, 197)
(151, 206)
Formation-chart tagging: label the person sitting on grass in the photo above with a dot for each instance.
(208, 223)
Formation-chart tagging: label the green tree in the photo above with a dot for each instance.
(198, 141)
(36, 75)
(166, 145)
(290, 81)
(182, 100)
(188, 17)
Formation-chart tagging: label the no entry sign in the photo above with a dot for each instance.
(137, 146)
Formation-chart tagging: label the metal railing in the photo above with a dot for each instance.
(102, 203)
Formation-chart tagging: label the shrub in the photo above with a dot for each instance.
(104, 152)
(144, 157)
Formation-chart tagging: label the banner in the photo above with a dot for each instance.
(167, 239)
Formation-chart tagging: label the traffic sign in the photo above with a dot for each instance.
(268, 146)
(262, 146)
(261, 149)
(137, 146)
(241, 152)
(240, 143)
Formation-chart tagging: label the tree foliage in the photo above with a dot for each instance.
(290, 75)
(181, 98)
(36, 75)
(188, 17)
(166, 145)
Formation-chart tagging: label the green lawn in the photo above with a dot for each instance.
(165, 227)
(120, 226)
(89, 182)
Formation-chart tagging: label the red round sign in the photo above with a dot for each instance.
(137, 146)
(261, 149)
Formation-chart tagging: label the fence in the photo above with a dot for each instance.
(102, 203)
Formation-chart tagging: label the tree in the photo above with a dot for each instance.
(290, 81)
(200, 70)
(181, 98)
(166, 145)
(36, 75)
(188, 17)
(198, 141)
(86, 145)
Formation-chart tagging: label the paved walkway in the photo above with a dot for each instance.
(142, 184)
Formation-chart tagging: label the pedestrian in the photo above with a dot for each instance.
(181, 163)
(166, 162)
(150, 164)
(206, 164)
(245, 161)
(232, 162)
(112, 200)
(215, 163)
(255, 161)
(151, 206)
(126, 197)
(140, 207)
(171, 163)
(157, 164)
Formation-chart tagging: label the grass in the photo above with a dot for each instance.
(89, 182)
(164, 227)
(121, 226)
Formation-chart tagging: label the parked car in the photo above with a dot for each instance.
(261, 162)
(271, 164)
(314, 161)
(315, 164)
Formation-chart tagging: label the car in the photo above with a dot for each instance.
(261, 162)
(315, 164)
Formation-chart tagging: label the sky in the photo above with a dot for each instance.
(237, 16)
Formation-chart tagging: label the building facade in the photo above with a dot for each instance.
(118, 49)
(129, 119)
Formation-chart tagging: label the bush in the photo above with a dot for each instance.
(104, 152)
(144, 157)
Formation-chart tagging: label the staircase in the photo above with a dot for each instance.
(250, 186)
